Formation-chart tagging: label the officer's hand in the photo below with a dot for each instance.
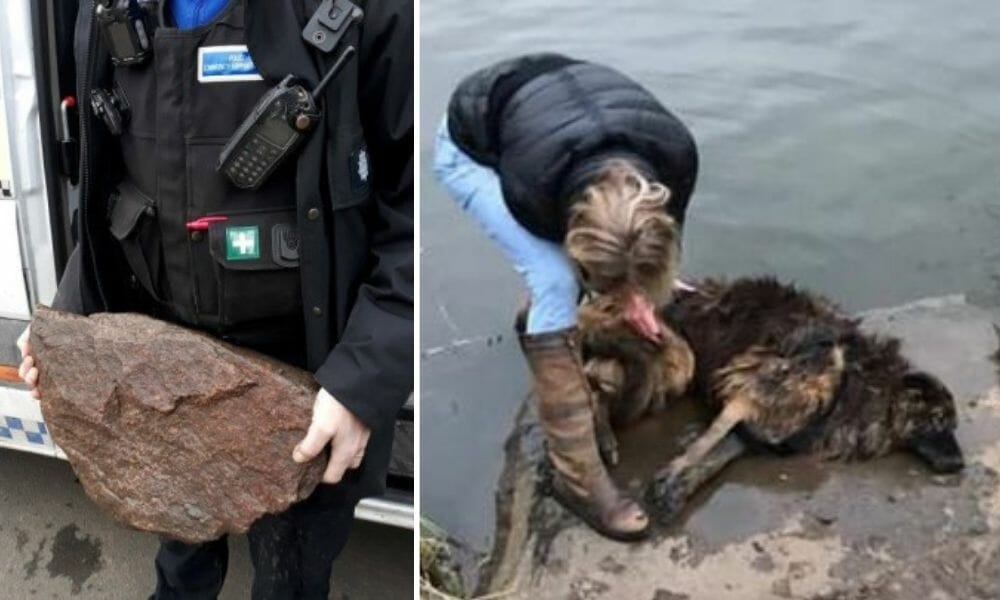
(335, 425)
(27, 371)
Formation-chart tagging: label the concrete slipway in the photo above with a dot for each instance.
(778, 528)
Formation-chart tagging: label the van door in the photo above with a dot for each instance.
(36, 75)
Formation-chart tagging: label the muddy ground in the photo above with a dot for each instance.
(779, 528)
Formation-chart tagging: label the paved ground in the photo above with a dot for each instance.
(793, 528)
(55, 544)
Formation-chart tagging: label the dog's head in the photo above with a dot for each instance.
(929, 419)
(621, 237)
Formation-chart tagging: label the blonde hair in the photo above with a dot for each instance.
(620, 234)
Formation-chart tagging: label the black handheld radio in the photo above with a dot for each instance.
(127, 28)
(275, 128)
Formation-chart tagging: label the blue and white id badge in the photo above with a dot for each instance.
(217, 64)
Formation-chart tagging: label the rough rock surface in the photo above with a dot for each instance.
(170, 430)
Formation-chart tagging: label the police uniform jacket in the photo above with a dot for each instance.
(548, 124)
(347, 195)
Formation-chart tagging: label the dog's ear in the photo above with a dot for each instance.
(672, 314)
(925, 383)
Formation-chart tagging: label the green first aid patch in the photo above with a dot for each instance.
(242, 243)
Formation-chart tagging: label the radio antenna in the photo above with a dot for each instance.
(337, 66)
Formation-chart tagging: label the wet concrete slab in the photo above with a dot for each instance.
(785, 527)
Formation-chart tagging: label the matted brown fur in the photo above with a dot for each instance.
(788, 370)
(619, 234)
(782, 393)
(629, 375)
(635, 376)
(778, 368)
(881, 400)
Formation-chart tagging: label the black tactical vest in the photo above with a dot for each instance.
(208, 254)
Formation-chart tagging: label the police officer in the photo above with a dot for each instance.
(314, 267)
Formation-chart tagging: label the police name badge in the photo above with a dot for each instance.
(242, 243)
(217, 64)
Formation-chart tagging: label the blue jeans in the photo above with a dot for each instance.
(542, 264)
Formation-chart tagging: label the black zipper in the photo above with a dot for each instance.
(85, 83)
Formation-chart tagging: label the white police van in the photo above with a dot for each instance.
(38, 200)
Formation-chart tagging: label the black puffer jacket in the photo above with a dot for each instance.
(547, 123)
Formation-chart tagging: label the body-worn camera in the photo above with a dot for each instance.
(112, 107)
(273, 130)
(127, 27)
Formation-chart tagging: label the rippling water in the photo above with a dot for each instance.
(850, 146)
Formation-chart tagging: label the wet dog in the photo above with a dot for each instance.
(630, 375)
(785, 370)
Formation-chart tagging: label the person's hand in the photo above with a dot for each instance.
(335, 425)
(28, 371)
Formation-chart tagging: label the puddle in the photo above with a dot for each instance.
(75, 556)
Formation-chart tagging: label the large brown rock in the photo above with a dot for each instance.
(170, 430)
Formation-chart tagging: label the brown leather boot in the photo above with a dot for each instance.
(565, 408)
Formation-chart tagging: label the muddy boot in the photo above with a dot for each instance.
(607, 441)
(565, 408)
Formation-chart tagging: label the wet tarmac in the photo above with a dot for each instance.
(56, 544)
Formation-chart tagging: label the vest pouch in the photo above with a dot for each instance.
(132, 221)
(256, 258)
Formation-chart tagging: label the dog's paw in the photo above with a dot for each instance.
(669, 493)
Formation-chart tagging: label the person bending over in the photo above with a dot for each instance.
(582, 177)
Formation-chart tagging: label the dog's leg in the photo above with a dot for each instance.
(637, 391)
(674, 484)
(730, 417)
(606, 377)
(607, 442)
(676, 364)
(670, 490)
(632, 357)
